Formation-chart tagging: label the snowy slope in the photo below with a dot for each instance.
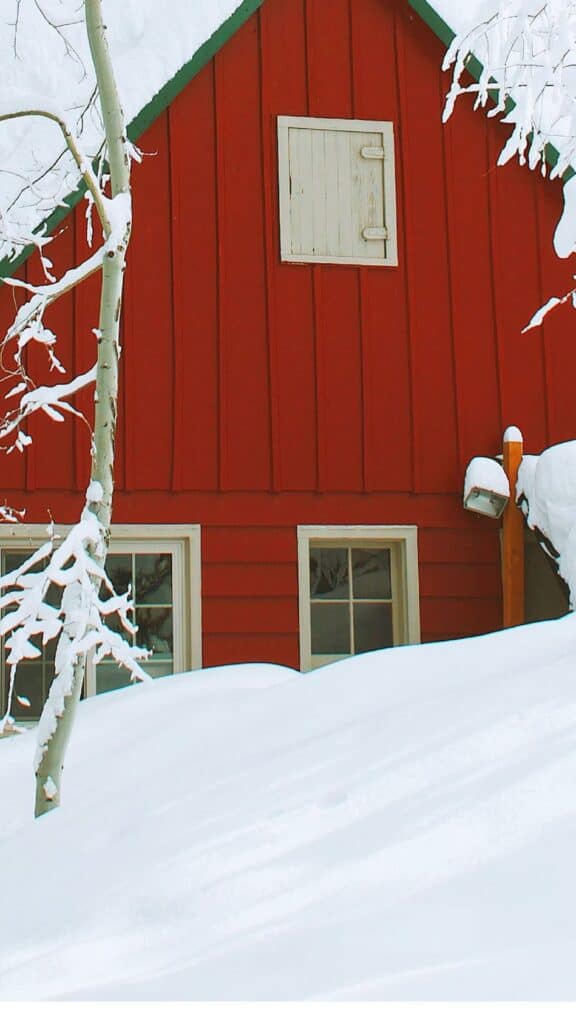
(150, 43)
(458, 15)
(397, 826)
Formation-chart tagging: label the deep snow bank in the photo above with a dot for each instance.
(398, 825)
(546, 489)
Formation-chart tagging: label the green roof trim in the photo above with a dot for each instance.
(157, 105)
(433, 20)
(474, 67)
(162, 100)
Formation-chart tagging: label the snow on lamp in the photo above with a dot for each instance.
(486, 487)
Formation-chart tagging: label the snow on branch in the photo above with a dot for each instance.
(50, 399)
(30, 615)
(527, 55)
(115, 214)
(45, 295)
(540, 314)
(83, 164)
(62, 590)
(527, 50)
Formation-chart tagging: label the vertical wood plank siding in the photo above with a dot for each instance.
(244, 391)
(148, 332)
(259, 395)
(290, 290)
(195, 286)
(386, 399)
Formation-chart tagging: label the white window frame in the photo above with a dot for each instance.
(403, 539)
(182, 541)
(386, 129)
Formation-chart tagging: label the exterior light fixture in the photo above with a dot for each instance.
(486, 487)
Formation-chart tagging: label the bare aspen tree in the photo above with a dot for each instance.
(99, 500)
(76, 566)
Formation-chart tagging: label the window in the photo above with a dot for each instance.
(337, 191)
(162, 566)
(358, 590)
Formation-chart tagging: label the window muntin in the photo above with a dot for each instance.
(150, 578)
(351, 599)
(34, 676)
(358, 590)
(162, 564)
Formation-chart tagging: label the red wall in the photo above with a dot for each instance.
(257, 395)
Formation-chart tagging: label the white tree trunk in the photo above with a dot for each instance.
(49, 771)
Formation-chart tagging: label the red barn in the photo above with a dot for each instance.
(328, 330)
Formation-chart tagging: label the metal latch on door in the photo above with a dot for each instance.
(374, 234)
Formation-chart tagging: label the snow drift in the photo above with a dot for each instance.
(400, 825)
(546, 490)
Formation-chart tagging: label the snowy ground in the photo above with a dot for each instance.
(397, 826)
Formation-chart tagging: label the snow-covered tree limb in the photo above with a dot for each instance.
(59, 711)
(49, 400)
(45, 295)
(526, 51)
(76, 566)
(28, 109)
(29, 620)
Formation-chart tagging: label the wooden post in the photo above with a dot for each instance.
(512, 535)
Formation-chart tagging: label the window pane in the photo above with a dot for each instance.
(53, 595)
(49, 651)
(14, 559)
(110, 676)
(371, 573)
(28, 686)
(155, 631)
(156, 669)
(372, 627)
(119, 569)
(33, 676)
(330, 628)
(114, 623)
(153, 579)
(329, 573)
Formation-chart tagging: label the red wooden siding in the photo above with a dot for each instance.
(387, 394)
(148, 334)
(426, 248)
(244, 373)
(258, 395)
(290, 288)
(194, 260)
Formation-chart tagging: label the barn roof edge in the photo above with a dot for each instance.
(433, 20)
(165, 96)
(157, 105)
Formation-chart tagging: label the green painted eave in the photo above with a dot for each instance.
(157, 105)
(433, 20)
(474, 67)
(162, 100)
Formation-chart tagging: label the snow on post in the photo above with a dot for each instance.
(546, 488)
